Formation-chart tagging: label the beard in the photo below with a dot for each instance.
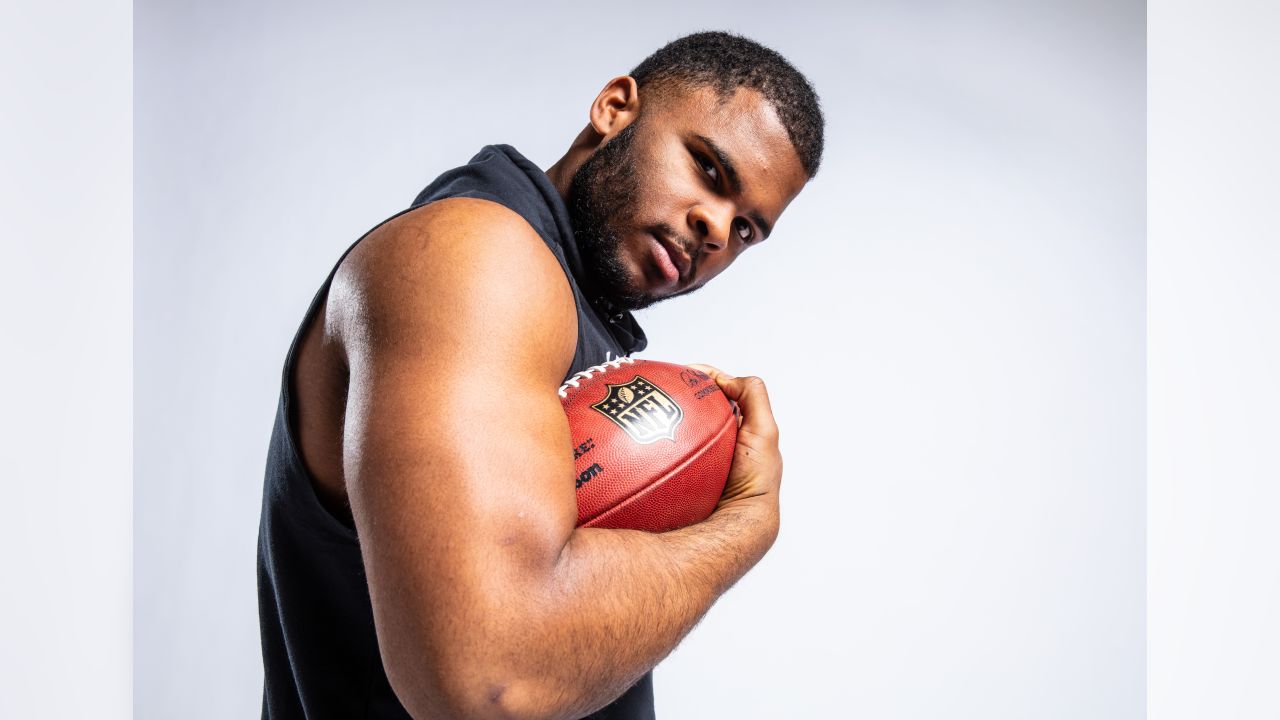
(602, 194)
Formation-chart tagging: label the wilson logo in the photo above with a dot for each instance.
(585, 476)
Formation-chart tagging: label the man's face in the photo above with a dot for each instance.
(672, 199)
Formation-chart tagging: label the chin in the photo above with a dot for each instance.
(631, 295)
(624, 272)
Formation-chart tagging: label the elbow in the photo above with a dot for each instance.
(460, 692)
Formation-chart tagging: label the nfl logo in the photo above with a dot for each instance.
(642, 409)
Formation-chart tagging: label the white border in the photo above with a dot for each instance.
(1214, 361)
(66, 201)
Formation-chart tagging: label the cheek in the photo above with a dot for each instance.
(665, 195)
(713, 265)
(651, 197)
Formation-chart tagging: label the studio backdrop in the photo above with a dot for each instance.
(950, 319)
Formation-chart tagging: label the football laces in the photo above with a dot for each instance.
(577, 377)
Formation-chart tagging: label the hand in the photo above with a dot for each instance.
(756, 473)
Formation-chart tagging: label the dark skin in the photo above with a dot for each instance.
(426, 411)
(721, 174)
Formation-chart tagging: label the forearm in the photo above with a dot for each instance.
(617, 602)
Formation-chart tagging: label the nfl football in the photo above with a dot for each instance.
(652, 444)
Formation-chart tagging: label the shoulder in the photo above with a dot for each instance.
(455, 270)
(465, 230)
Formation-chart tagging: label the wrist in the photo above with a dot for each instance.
(764, 505)
(757, 515)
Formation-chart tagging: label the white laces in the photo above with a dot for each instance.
(586, 374)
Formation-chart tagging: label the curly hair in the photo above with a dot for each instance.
(726, 62)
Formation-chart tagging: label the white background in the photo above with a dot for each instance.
(1213, 576)
(65, 357)
(951, 320)
(64, 199)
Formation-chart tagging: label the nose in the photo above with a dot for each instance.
(712, 223)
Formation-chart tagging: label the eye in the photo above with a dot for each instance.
(745, 231)
(708, 168)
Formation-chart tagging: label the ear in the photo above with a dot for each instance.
(617, 106)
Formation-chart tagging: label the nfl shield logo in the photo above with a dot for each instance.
(642, 409)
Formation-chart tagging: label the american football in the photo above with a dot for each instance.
(652, 444)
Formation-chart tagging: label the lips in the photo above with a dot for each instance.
(677, 256)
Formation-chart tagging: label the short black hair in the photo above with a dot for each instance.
(727, 62)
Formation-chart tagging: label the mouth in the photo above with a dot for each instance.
(672, 259)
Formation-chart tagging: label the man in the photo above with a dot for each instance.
(417, 554)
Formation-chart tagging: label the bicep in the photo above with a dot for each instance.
(463, 461)
(456, 452)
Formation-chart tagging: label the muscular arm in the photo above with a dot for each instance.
(458, 326)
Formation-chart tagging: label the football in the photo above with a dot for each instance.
(652, 444)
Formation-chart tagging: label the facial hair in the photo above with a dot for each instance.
(602, 195)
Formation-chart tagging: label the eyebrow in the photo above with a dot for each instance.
(735, 182)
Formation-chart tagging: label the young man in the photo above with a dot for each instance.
(417, 554)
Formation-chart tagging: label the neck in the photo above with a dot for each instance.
(561, 174)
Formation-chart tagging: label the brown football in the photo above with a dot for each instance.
(652, 444)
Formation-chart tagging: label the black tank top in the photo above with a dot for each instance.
(319, 650)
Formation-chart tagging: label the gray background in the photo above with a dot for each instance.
(950, 319)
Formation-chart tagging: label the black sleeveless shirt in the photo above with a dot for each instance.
(319, 650)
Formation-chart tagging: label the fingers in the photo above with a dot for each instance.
(757, 412)
(752, 397)
(714, 372)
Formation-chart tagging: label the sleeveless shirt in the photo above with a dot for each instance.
(319, 649)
